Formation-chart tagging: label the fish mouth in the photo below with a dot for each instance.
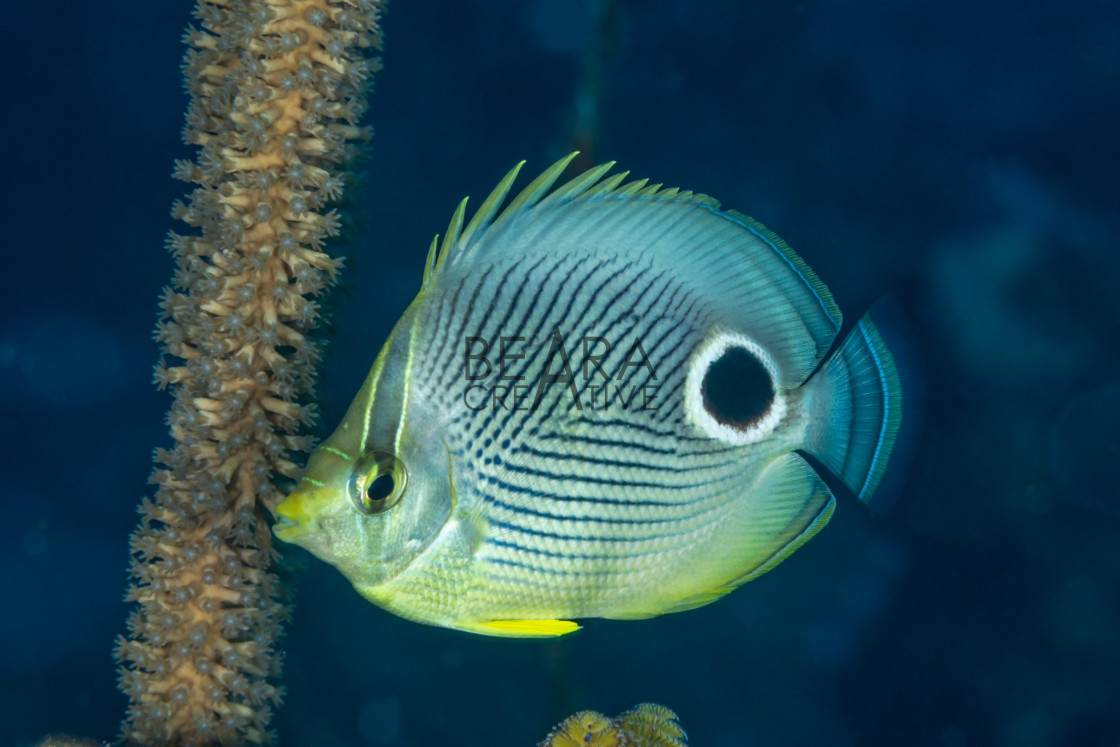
(292, 522)
(286, 528)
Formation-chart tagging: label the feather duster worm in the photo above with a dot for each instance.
(644, 725)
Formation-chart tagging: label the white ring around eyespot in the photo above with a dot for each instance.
(707, 353)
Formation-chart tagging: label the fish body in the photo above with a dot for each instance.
(597, 406)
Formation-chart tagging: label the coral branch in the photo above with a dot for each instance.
(276, 88)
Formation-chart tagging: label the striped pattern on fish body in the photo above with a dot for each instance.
(630, 448)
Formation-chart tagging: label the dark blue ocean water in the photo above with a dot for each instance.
(961, 155)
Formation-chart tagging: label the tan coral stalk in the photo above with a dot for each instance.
(276, 88)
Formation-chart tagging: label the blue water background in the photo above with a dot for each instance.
(961, 155)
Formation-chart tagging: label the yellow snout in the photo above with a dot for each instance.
(293, 518)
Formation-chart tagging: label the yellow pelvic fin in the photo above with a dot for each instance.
(521, 628)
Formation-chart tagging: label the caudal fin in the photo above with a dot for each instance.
(866, 407)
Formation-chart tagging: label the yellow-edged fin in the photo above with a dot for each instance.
(711, 595)
(521, 628)
(807, 534)
(797, 504)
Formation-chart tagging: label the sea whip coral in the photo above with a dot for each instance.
(276, 88)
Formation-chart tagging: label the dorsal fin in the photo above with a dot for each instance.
(586, 185)
(794, 259)
(757, 283)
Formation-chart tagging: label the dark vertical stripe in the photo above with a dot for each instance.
(539, 358)
(441, 328)
(485, 275)
(453, 369)
(618, 318)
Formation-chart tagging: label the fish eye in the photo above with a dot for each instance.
(377, 483)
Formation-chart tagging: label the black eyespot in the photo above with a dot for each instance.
(737, 390)
(377, 482)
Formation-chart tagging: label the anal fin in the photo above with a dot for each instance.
(785, 508)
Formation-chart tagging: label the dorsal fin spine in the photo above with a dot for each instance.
(429, 266)
(630, 188)
(454, 229)
(489, 207)
(608, 185)
(579, 185)
(536, 189)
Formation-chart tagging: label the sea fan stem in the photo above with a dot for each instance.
(277, 87)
